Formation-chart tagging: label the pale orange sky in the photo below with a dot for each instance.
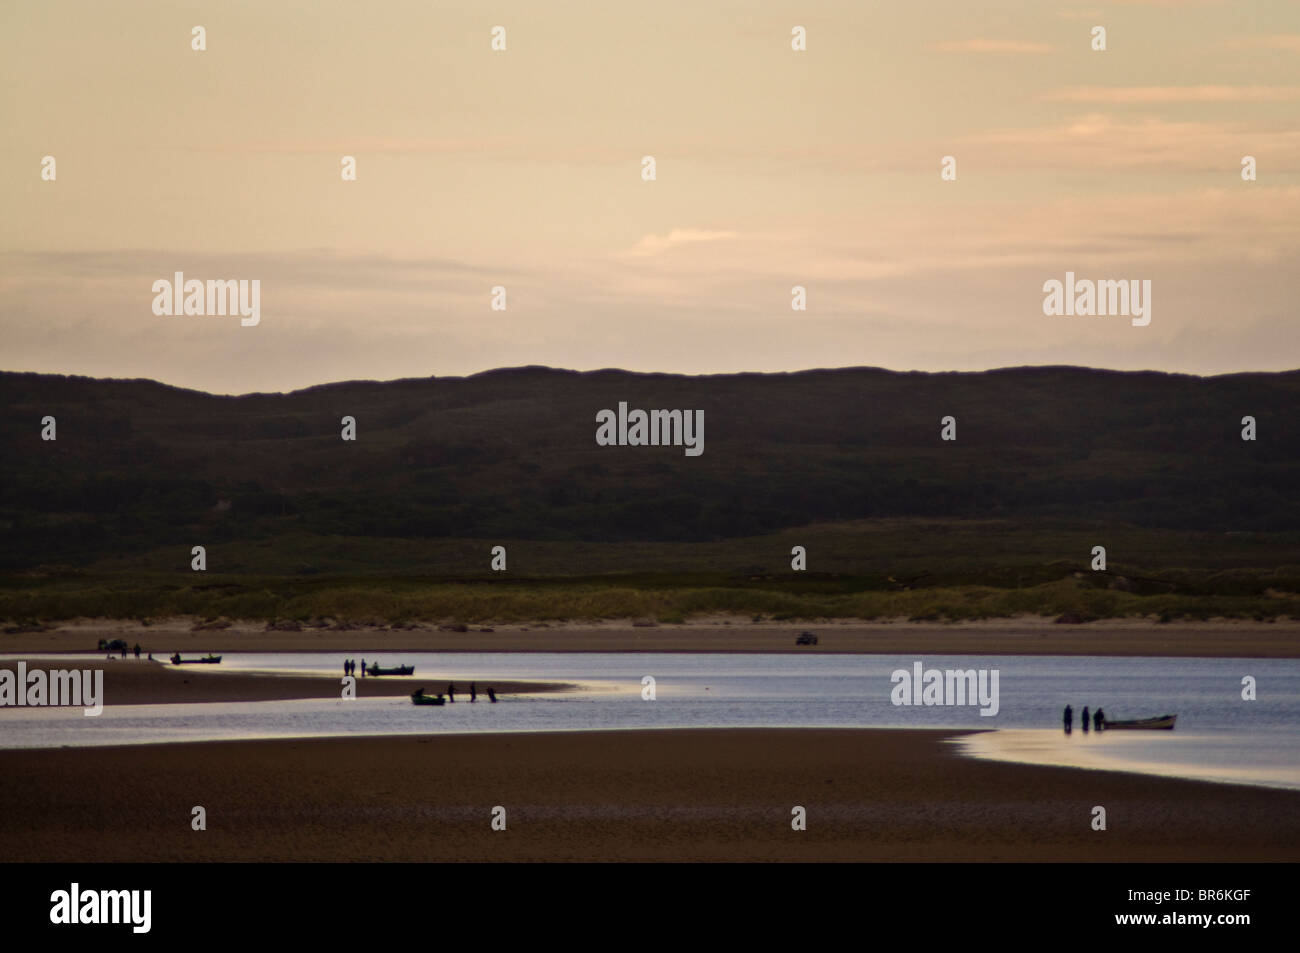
(522, 168)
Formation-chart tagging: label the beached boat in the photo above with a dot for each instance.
(419, 698)
(207, 660)
(1165, 722)
(395, 670)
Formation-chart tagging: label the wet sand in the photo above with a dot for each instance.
(132, 682)
(1019, 636)
(681, 795)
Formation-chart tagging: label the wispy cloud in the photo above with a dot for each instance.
(1167, 3)
(1101, 141)
(657, 244)
(372, 144)
(1289, 42)
(992, 46)
(1175, 94)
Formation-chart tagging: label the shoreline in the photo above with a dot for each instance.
(642, 795)
(141, 682)
(1037, 747)
(1034, 636)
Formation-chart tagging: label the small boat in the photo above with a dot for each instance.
(209, 659)
(1165, 722)
(419, 698)
(395, 670)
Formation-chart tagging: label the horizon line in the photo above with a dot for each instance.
(617, 370)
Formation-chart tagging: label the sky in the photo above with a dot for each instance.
(522, 168)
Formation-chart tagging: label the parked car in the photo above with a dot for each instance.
(806, 638)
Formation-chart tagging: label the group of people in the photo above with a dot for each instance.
(350, 668)
(1098, 719)
(125, 653)
(473, 692)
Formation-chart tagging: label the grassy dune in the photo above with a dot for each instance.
(664, 599)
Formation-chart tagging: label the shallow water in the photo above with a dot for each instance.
(1219, 736)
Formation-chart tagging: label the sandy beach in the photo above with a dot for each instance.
(1019, 636)
(681, 795)
(132, 682)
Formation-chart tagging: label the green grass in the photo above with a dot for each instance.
(791, 598)
(871, 569)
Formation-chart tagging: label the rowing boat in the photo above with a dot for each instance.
(396, 670)
(1165, 722)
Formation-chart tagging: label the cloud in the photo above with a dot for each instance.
(1101, 141)
(931, 285)
(656, 244)
(1282, 41)
(1175, 94)
(992, 46)
(369, 145)
(1167, 3)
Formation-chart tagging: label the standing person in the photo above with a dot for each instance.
(1085, 720)
(473, 692)
(363, 668)
(1069, 719)
(1098, 719)
(137, 651)
(492, 695)
(451, 691)
(345, 668)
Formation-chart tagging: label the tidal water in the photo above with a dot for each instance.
(1219, 736)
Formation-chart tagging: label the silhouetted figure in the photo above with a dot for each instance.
(473, 692)
(492, 695)
(1098, 719)
(345, 668)
(137, 651)
(451, 691)
(363, 668)
(1069, 719)
(1084, 720)
(151, 656)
